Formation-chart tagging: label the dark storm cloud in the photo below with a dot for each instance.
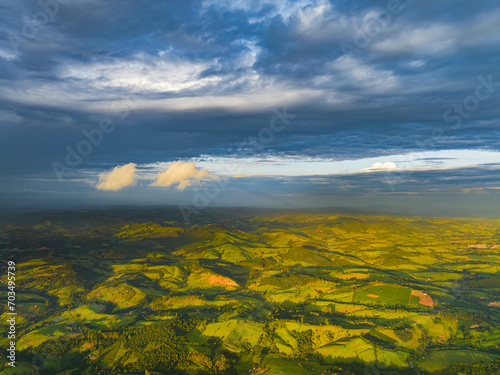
(205, 75)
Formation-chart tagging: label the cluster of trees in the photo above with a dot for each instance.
(287, 280)
(304, 343)
(155, 347)
(471, 369)
(380, 342)
(403, 330)
(158, 346)
(482, 283)
(65, 349)
(404, 335)
(288, 311)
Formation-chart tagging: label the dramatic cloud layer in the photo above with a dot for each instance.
(91, 85)
(118, 178)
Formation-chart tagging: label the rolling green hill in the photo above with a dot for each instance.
(135, 291)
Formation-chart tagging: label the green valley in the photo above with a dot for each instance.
(249, 291)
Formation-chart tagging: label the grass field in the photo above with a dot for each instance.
(385, 294)
(441, 359)
(255, 293)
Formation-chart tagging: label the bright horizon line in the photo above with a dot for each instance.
(302, 167)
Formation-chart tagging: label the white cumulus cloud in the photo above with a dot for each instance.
(388, 166)
(182, 174)
(118, 178)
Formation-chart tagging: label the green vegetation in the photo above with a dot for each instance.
(253, 292)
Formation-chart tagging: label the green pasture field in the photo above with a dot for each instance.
(254, 292)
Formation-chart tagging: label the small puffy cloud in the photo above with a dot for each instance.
(118, 178)
(182, 174)
(387, 167)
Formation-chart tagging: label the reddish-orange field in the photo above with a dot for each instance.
(424, 298)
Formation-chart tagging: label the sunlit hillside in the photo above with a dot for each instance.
(254, 292)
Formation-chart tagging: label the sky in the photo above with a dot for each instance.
(301, 104)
